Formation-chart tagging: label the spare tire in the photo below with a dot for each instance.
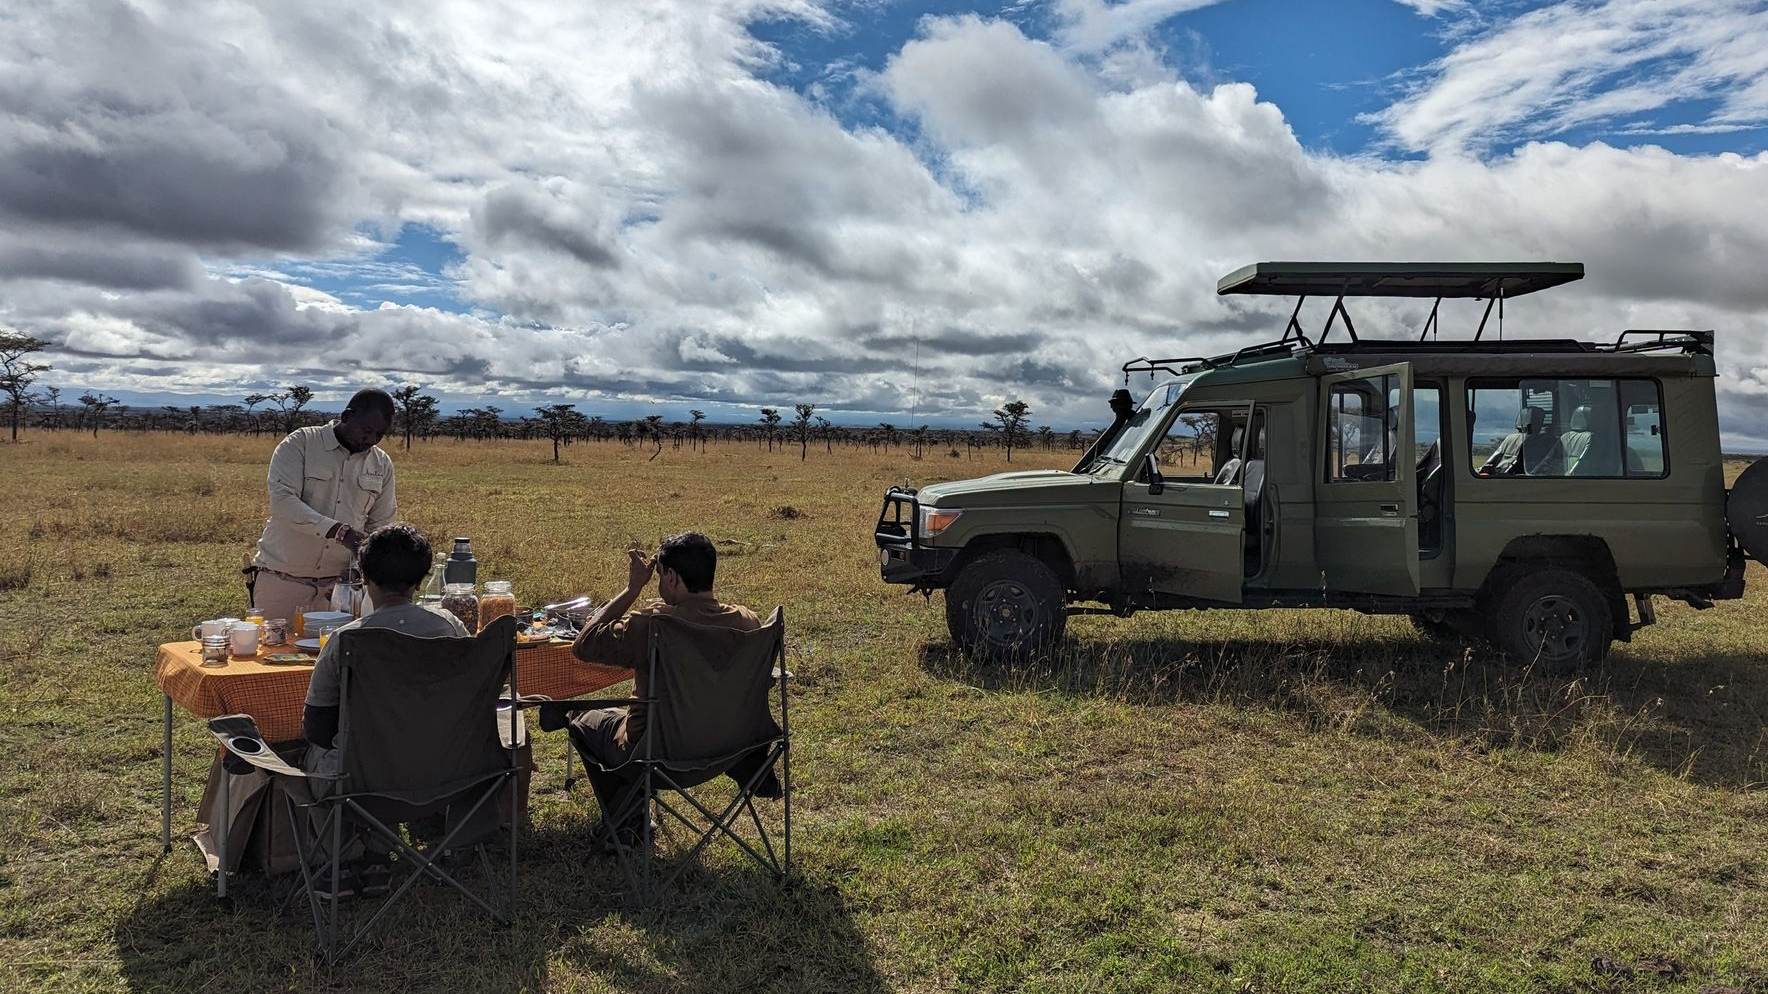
(1747, 510)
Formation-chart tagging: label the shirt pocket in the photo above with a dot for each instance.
(370, 486)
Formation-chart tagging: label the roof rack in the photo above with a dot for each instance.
(1482, 280)
(1491, 281)
(1631, 341)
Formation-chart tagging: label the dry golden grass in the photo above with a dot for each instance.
(1267, 801)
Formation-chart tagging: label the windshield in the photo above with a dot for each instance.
(1141, 424)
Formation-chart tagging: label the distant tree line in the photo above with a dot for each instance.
(418, 416)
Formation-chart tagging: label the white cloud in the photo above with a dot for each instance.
(1431, 8)
(1588, 62)
(642, 216)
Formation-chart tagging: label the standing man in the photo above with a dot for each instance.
(329, 487)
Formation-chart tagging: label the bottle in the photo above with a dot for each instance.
(497, 601)
(462, 567)
(432, 593)
(459, 600)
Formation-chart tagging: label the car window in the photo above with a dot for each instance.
(1427, 417)
(1596, 428)
(1188, 449)
(1362, 417)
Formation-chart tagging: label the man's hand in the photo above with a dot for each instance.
(350, 537)
(639, 570)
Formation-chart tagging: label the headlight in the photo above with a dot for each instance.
(937, 519)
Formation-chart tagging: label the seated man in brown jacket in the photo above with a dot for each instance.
(684, 566)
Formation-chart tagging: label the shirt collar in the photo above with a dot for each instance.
(331, 436)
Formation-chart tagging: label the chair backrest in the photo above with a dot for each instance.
(710, 685)
(417, 718)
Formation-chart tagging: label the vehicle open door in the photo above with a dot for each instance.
(1366, 500)
(1181, 531)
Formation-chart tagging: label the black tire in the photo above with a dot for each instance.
(1006, 606)
(1556, 620)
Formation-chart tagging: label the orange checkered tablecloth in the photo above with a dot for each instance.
(274, 694)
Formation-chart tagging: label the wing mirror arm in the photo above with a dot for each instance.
(1151, 469)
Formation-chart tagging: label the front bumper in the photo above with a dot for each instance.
(902, 556)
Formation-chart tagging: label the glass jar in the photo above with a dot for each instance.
(459, 600)
(497, 601)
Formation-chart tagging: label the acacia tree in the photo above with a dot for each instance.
(17, 373)
(694, 428)
(653, 427)
(290, 402)
(53, 396)
(770, 419)
(559, 422)
(824, 427)
(417, 410)
(96, 405)
(1011, 418)
(251, 401)
(801, 426)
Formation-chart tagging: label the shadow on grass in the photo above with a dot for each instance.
(1701, 717)
(726, 926)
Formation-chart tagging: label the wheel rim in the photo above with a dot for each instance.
(1007, 612)
(1556, 628)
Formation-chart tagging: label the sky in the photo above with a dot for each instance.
(907, 211)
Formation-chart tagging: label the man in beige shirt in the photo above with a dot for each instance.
(685, 566)
(329, 487)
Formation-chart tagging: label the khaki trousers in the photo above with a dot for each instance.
(277, 597)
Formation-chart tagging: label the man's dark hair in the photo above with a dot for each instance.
(396, 556)
(692, 557)
(363, 401)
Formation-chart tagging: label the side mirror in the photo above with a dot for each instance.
(1151, 469)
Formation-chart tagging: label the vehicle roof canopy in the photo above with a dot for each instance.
(1399, 279)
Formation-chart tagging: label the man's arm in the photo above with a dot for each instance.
(602, 635)
(288, 466)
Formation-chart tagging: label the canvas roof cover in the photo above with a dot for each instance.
(1399, 279)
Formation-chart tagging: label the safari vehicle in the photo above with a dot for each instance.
(1518, 491)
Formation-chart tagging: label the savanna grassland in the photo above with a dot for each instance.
(1212, 801)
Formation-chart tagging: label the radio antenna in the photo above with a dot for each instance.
(915, 391)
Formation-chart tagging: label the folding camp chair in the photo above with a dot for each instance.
(706, 694)
(420, 730)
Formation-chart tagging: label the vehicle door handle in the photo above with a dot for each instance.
(1390, 510)
(1218, 514)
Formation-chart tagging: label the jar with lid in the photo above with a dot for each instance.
(459, 600)
(498, 600)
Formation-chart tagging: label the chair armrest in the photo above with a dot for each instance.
(239, 735)
(579, 703)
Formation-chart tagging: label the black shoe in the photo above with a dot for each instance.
(375, 876)
(553, 716)
(322, 885)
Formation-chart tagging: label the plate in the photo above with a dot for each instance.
(310, 645)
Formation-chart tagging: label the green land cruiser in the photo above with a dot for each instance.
(1518, 491)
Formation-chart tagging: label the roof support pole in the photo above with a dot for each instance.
(1430, 323)
(1483, 317)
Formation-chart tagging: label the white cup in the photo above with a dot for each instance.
(214, 626)
(245, 638)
